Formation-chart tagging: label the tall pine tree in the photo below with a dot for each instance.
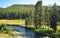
(38, 14)
(53, 17)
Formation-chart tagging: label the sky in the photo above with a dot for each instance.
(6, 3)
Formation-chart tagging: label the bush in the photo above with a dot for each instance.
(5, 30)
(9, 31)
(57, 33)
(2, 28)
(44, 31)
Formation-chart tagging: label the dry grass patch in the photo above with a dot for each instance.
(5, 36)
(15, 22)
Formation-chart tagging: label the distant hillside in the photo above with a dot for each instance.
(16, 11)
(20, 8)
(20, 11)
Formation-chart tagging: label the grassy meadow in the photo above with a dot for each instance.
(22, 23)
(15, 22)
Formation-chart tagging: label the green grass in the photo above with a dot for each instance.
(6, 32)
(45, 30)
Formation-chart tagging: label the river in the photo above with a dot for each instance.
(27, 32)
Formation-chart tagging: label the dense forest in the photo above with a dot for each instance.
(16, 11)
(23, 11)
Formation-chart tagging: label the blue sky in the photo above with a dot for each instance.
(6, 3)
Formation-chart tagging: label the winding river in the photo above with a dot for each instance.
(27, 32)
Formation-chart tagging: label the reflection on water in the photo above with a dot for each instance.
(40, 36)
(29, 33)
(37, 35)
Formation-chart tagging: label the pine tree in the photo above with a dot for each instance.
(38, 14)
(53, 17)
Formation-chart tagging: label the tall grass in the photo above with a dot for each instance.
(5, 30)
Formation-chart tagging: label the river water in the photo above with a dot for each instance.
(28, 33)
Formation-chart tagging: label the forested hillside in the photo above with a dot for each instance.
(21, 11)
(16, 11)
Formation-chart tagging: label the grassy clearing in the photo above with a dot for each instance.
(15, 22)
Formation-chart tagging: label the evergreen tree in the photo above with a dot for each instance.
(38, 14)
(53, 17)
(47, 16)
(29, 20)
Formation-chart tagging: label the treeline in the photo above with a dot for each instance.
(21, 11)
(16, 12)
(13, 15)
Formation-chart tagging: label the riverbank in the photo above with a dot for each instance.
(15, 35)
(21, 23)
(8, 32)
(43, 31)
(4, 35)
